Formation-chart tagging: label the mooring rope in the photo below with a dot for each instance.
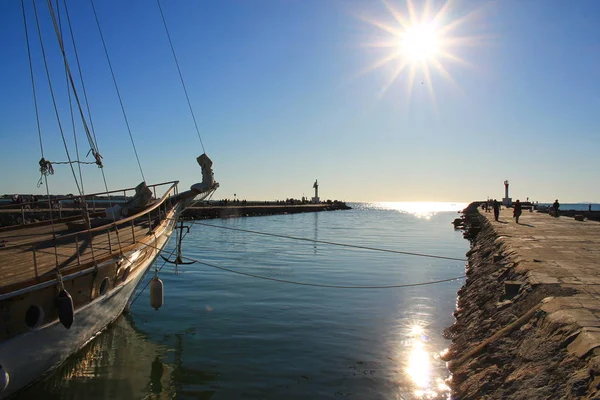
(333, 243)
(321, 285)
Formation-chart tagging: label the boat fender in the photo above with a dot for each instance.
(4, 379)
(156, 293)
(66, 311)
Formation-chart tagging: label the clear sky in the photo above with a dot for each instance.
(286, 92)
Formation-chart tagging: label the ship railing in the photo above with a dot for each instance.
(72, 252)
(70, 205)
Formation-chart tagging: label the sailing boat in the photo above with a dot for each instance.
(65, 279)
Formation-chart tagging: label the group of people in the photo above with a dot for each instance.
(494, 205)
(517, 209)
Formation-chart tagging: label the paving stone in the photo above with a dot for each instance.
(558, 251)
(586, 341)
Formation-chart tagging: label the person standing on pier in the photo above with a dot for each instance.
(496, 207)
(517, 210)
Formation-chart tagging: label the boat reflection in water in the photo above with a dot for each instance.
(119, 363)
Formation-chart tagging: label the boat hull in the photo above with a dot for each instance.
(30, 355)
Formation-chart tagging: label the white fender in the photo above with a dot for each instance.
(4, 379)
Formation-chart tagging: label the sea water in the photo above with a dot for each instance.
(222, 335)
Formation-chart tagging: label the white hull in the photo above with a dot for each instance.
(28, 356)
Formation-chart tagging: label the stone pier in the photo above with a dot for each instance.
(528, 318)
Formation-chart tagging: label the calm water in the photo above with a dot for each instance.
(226, 336)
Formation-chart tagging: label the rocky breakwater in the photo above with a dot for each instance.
(525, 328)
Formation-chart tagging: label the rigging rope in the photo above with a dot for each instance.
(117, 90)
(46, 169)
(78, 63)
(180, 75)
(87, 104)
(332, 243)
(71, 107)
(37, 114)
(94, 151)
(52, 92)
(37, 117)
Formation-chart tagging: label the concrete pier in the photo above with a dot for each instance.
(528, 318)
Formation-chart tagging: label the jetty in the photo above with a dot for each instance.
(257, 209)
(21, 215)
(528, 317)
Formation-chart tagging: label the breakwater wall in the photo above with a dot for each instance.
(233, 211)
(590, 215)
(522, 331)
(11, 217)
(16, 216)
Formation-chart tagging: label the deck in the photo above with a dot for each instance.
(30, 252)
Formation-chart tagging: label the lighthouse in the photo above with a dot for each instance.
(315, 200)
(506, 201)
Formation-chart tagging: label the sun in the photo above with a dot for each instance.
(419, 44)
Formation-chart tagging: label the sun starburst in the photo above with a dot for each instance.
(419, 43)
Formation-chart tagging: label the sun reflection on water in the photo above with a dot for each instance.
(425, 380)
(420, 209)
(419, 365)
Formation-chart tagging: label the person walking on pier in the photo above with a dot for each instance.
(496, 207)
(517, 210)
(555, 206)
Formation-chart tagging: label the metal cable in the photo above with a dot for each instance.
(117, 90)
(180, 75)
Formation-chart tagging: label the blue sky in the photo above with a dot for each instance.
(283, 95)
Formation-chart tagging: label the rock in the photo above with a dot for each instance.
(511, 288)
